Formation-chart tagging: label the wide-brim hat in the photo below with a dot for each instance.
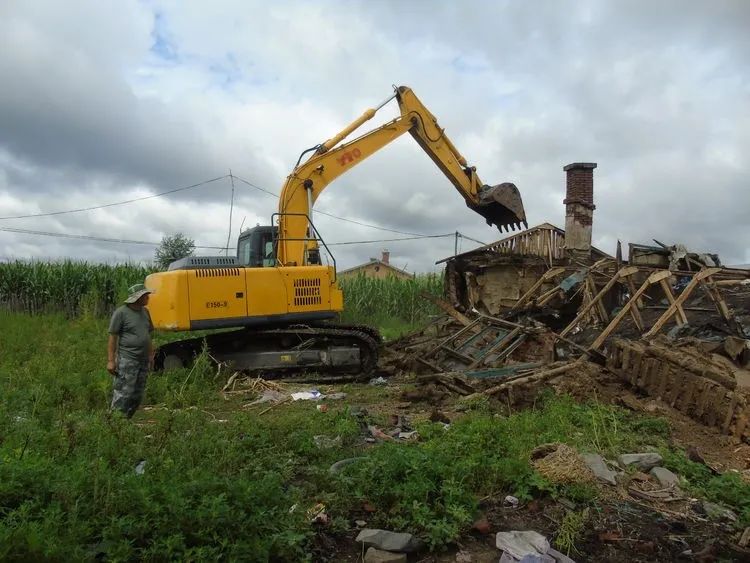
(135, 292)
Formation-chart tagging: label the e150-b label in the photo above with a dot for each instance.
(216, 304)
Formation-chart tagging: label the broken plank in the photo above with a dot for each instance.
(551, 273)
(537, 377)
(622, 273)
(681, 317)
(447, 308)
(653, 278)
(661, 321)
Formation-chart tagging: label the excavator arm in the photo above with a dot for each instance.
(500, 205)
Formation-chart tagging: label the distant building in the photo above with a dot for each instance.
(376, 269)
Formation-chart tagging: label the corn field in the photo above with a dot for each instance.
(70, 287)
(79, 288)
(372, 300)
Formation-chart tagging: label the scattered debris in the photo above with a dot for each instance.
(269, 396)
(600, 469)
(313, 395)
(140, 467)
(317, 514)
(378, 381)
(717, 512)
(643, 461)
(378, 434)
(527, 546)
(340, 465)
(511, 501)
(374, 555)
(665, 477)
(389, 541)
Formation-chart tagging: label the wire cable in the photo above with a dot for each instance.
(390, 239)
(92, 238)
(113, 204)
(149, 243)
(336, 216)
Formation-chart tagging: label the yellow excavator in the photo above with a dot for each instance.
(276, 293)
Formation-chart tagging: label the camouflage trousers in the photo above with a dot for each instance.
(129, 385)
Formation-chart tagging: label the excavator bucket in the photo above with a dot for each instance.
(501, 206)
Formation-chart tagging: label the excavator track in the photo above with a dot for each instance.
(330, 349)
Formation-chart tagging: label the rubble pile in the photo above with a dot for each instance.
(596, 322)
(686, 377)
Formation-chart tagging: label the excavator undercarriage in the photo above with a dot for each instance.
(335, 349)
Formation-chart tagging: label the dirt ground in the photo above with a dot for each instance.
(620, 529)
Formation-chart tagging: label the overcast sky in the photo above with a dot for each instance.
(108, 101)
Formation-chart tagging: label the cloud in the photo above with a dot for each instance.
(105, 101)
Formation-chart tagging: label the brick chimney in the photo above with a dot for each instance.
(579, 209)
(386, 257)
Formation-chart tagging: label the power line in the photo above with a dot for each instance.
(390, 239)
(93, 207)
(410, 235)
(472, 239)
(256, 187)
(336, 216)
(150, 243)
(91, 237)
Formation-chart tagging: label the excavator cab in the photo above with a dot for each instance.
(256, 247)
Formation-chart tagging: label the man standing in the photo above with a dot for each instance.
(130, 352)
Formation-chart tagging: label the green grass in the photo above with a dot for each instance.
(222, 482)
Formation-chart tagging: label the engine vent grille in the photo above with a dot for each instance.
(217, 272)
(194, 262)
(307, 291)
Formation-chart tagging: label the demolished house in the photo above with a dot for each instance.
(543, 308)
(493, 277)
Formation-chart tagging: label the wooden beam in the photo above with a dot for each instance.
(681, 317)
(622, 273)
(551, 273)
(722, 307)
(631, 288)
(507, 339)
(653, 278)
(697, 277)
(536, 377)
(637, 318)
(599, 305)
(447, 308)
(548, 296)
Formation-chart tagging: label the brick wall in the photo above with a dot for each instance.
(580, 183)
(579, 209)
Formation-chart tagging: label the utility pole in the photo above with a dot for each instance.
(231, 210)
(455, 244)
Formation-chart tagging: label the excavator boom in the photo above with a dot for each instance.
(500, 205)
